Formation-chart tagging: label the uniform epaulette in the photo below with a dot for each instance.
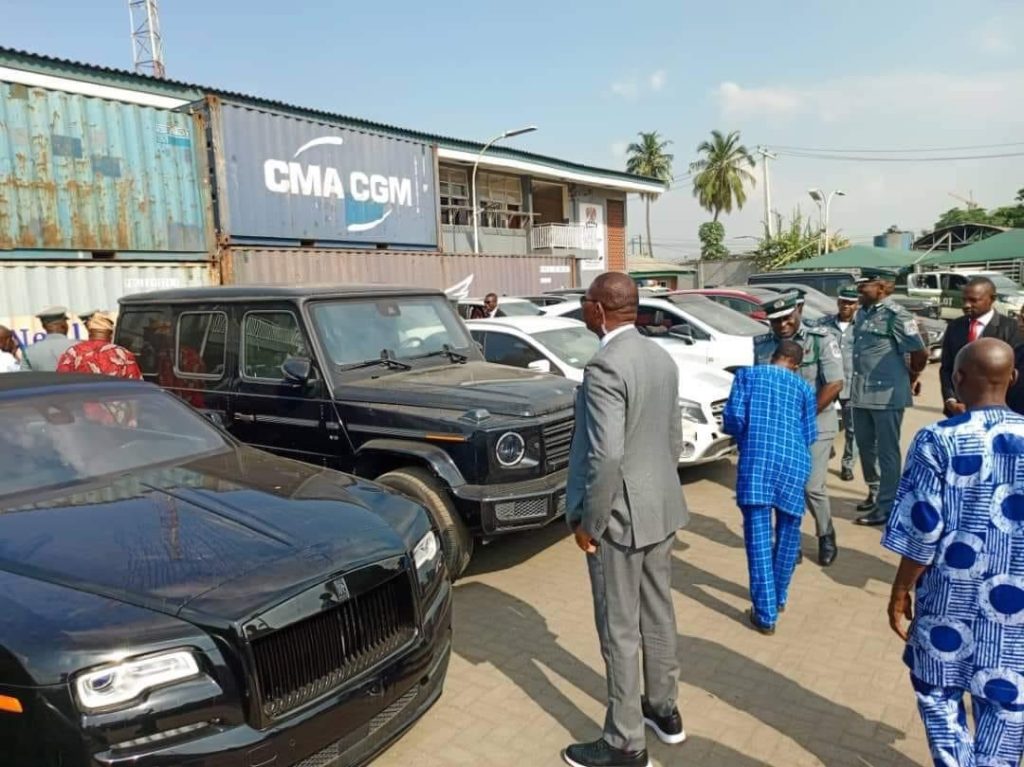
(764, 338)
(817, 330)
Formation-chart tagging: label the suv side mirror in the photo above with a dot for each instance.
(540, 366)
(683, 332)
(297, 370)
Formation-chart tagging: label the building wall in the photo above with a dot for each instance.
(459, 239)
(473, 275)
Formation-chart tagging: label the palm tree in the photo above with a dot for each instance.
(649, 158)
(722, 173)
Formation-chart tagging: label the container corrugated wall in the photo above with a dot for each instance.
(83, 173)
(28, 287)
(477, 274)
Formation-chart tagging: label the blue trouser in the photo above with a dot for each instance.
(849, 431)
(770, 559)
(998, 738)
(881, 456)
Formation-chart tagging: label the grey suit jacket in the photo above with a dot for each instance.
(43, 355)
(623, 465)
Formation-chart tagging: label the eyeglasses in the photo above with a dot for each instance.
(585, 300)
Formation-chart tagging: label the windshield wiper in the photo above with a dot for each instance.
(446, 351)
(386, 358)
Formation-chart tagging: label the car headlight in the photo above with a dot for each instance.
(510, 449)
(122, 683)
(692, 410)
(426, 552)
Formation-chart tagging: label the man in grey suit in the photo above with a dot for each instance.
(43, 355)
(624, 504)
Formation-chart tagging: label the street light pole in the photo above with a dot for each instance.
(476, 165)
(820, 198)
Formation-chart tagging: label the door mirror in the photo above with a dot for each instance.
(297, 370)
(540, 366)
(682, 332)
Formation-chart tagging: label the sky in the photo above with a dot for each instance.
(865, 75)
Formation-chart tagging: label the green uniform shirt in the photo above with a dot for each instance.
(883, 334)
(822, 365)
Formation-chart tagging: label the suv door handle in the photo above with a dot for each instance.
(245, 417)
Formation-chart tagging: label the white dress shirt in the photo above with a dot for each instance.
(982, 322)
(606, 339)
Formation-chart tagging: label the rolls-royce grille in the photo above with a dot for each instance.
(718, 410)
(557, 439)
(317, 654)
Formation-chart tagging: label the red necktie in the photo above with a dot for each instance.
(974, 332)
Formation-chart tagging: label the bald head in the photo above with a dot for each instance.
(611, 302)
(982, 373)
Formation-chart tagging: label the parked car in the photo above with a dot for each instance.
(747, 301)
(922, 307)
(550, 300)
(691, 328)
(564, 346)
(382, 382)
(173, 597)
(946, 288)
(827, 284)
(507, 307)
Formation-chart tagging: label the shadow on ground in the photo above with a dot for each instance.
(513, 637)
(509, 550)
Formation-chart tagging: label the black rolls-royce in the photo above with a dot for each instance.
(171, 597)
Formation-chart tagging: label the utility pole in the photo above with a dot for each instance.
(147, 44)
(765, 157)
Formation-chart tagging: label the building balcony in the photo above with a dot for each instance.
(554, 237)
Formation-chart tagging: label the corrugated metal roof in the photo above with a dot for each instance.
(1005, 246)
(54, 64)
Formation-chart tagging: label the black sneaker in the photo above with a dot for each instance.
(600, 754)
(669, 729)
(846, 475)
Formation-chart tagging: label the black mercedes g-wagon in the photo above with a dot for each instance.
(383, 382)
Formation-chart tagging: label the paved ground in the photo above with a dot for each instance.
(828, 689)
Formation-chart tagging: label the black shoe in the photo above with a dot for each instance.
(669, 729)
(600, 754)
(868, 504)
(827, 550)
(799, 557)
(876, 518)
(781, 609)
(766, 630)
(846, 475)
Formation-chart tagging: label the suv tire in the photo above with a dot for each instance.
(420, 485)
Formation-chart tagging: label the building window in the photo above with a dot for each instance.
(455, 198)
(501, 201)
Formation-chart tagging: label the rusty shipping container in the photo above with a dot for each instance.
(79, 173)
(462, 274)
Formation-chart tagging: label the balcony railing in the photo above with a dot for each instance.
(563, 236)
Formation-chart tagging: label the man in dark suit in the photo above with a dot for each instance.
(980, 320)
(624, 504)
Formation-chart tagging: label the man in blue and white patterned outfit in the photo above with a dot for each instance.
(958, 522)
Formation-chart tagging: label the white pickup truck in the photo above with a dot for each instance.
(947, 287)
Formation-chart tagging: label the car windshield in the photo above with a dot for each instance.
(405, 327)
(1003, 283)
(718, 317)
(573, 346)
(519, 309)
(68, 439)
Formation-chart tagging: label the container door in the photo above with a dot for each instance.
(272, 411)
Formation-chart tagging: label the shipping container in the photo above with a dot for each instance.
(283, 179)
(464, 275)
(27, 287)
(79, 173)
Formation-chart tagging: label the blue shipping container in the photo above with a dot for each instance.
(87, 174)
(286, 178)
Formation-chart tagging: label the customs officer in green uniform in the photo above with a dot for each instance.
(885, 335)
(822, 368)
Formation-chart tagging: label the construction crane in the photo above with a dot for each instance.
(147, 45)
(968, 201)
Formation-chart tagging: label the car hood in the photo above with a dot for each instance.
(473, 385)
(213, 539)
(704, 384)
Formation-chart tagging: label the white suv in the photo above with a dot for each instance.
(564, 346)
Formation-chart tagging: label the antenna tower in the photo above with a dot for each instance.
(147, 46)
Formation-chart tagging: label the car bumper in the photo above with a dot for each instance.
(703, 443)
(517, 505)
(344, 730)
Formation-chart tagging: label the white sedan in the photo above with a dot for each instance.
(564, 346)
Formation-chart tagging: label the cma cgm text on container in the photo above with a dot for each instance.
(289, 180)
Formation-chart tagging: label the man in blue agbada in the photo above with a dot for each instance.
(958, 523)
(772, 412)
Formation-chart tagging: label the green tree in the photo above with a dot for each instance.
(795, 241)
(648, 157)
(722, 173)
(712, 238)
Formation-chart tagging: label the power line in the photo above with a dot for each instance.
(858, 158)
(908, 150)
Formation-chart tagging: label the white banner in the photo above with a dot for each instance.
(592, 217)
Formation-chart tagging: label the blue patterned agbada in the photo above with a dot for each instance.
(772, 414)
(960, 510)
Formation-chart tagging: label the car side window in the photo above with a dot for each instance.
(147, 335)
(201, 345)
(268, 339)
(957, 281)
(675, 320)
(575, 314)
(504, 349)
